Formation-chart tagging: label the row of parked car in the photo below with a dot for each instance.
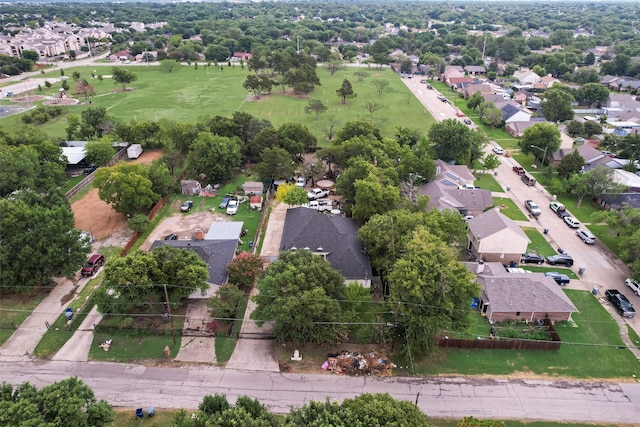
(560, 259)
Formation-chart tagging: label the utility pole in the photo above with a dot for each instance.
(166, 296)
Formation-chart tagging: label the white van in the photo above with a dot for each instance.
(571, 222)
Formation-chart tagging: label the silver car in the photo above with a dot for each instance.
(586, 236)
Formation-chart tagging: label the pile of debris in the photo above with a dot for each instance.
(356, 364)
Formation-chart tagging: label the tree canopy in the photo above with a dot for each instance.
(67, 403)
(540, 139)
(593, 183)
(299, 293)
(451, 140)
(127, 187)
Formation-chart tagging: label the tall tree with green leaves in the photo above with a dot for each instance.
(275, 163)
(68, 402)
(299, 293)
(451, 140)
(291, 194)
(126, 187)
(346, 91)
(315, 106)
(213, 157)
(99, 152)
(570, 164)
(593, 183)
(431, 291)
(122, 77)
(541, 139)
(557, 105)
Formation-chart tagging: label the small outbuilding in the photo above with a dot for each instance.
(190, 187)
(252, 188)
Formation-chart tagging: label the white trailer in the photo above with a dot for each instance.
(134, 151)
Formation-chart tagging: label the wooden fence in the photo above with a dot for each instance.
(505, 343)
(152, 214)
(89, 179)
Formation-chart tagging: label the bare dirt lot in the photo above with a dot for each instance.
(97, 217)
(183, 226)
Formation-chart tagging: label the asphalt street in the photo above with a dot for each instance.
(452, 397)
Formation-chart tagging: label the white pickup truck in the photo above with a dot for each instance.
(320, 205)
(317, 193)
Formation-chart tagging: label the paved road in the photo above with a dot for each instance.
(140, 386)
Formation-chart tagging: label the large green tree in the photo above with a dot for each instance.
(213, 158)
(66, 403)
(127, 187)
(570, 164)
(99, 152)
(557, 105)
(122, 76)
(275, 163)
(541, 139)
(593, 183)
(299, 293)
(451, 140)
(38, 239)
(432, 291)
(593, 93)
(346, 91)
(139, 278)
(625, 224)
(373, 196)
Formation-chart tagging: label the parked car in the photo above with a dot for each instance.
(301, 181)
(224, 203)
(186, 206)
(586, 236)
(528, 179)
(317, 193)
(532, 207)
(468, 187)
(467, 121)
(92, 265)
(561, 279)
(459, 114)
(633, 285)
(571, 221)
(560, 259)
(559, 209)
(519, 170)
(579, 140)
(232, 207)
(498, 150)
(531, 259)
(620, 302)
(89, 169)
(171, 237)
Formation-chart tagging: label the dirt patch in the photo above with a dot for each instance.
(65, 101)
(97, 217)
(183, 225)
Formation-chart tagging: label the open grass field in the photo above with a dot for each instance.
(539, 244)
(592, 337)
(509, 208)
(486, 181)
(187, 94)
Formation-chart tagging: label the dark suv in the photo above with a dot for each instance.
(560, 259)
(620, 302)
(93, 264)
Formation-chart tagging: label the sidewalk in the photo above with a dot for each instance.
(25, 339)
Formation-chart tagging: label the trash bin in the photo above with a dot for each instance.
(69, 313)
(512, 264)
(595, 289)
(139, 413)
(581, 270)
(545, 231)
(151, 411)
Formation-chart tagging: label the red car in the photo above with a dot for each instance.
(460, 114)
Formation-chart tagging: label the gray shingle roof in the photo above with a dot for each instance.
(525, 292)
(492, 222)
(335, 234)
(216, 253)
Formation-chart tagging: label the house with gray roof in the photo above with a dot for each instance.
(467, 202)
(334, 237)
(591, 156)
(217, 249)
(513, 112)
(493, 237)
(619, 200)
(522, 296)
(217, 254)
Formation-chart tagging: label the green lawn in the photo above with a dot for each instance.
(538, 269)
(187, 94)
(509, 208)
(539, 244)
(14, 308)
(486, 181)
(586, 210)
(128, 348)
(592, 337)
(606, 236)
